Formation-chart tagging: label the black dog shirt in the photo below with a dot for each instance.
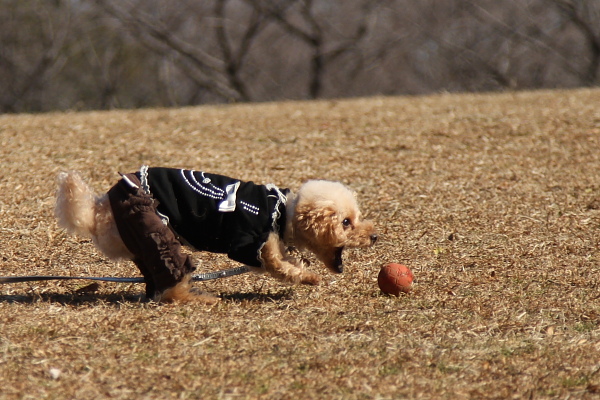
(216, 213)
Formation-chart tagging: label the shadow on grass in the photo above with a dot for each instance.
(120, 298)
(284, 294)
(73, 298)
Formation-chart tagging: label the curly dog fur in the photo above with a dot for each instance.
(323, 217)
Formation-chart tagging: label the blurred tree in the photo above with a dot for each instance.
(84, 54)
(30, 57)
(318, 26)
(585, 17)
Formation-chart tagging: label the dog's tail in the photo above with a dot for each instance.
(75, 205)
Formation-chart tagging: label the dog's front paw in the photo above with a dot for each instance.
(308, 278)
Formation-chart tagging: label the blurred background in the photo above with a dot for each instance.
(105, 54)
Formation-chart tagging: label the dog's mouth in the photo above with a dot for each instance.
(338, 264)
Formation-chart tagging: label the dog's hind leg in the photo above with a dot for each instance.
(184, 292)
(157, 252)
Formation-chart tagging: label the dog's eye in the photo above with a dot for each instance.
(346, 222)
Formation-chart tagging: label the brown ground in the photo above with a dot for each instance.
(492, 200)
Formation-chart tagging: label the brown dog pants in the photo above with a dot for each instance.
(157, 252)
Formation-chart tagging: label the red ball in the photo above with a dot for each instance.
(395, 278)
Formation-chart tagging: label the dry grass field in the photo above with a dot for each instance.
(493, 200)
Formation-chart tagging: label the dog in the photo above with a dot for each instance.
(147, 217)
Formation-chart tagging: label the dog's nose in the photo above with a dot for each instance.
(373, 239)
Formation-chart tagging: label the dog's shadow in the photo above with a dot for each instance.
(120, 298)
(72, 298)
(284, 294)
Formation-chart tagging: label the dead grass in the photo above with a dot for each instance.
(492, 200)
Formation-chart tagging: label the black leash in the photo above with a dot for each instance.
(197, 278)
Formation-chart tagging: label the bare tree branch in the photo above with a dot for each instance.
(574, 13)
(540, 40)
(233, 59)
(312, 33)
(206, 70)
(53, 42)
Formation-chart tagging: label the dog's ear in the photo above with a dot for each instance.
(318, 221)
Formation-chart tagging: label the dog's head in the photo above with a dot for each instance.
(326, 219)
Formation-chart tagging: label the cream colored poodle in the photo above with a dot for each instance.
(147, 216)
